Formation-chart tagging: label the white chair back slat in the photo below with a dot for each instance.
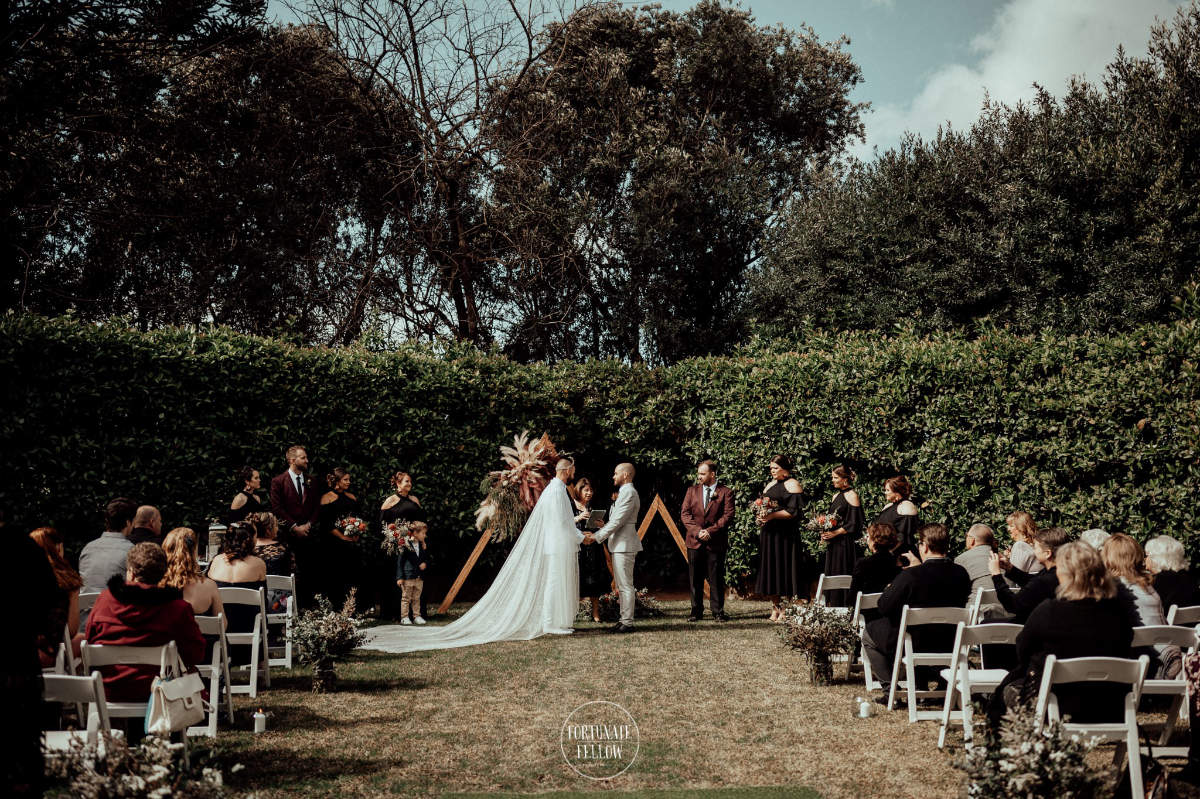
(86, 693)
(1186, 616)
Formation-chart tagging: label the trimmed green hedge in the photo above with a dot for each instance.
(1080, 431)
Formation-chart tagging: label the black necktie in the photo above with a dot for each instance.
(299, 488)
(707, 496)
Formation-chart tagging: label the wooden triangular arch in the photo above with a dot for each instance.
(657, 508)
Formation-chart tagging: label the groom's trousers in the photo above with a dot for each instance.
(623, 573)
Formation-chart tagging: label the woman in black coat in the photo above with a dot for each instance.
(876, 571)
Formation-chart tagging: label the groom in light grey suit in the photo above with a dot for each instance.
(623, 541)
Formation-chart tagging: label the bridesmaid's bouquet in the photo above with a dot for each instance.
(824, 522)
(396, 538)
(352, 527)
(764, 506)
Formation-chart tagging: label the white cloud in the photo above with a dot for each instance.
(1042, 41)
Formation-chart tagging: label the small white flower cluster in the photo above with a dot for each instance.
(153, 769)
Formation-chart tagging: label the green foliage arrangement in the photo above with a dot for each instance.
(1021, 762)
(819, 632)
(1081, 431)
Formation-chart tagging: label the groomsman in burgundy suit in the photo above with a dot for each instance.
(294, 503)
(707, 513)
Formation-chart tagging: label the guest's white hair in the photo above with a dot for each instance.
(1095, 537)
(1166, 554)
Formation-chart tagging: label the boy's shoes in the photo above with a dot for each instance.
(418, 620)
(406, 620)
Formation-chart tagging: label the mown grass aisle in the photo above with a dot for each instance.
(716, 706)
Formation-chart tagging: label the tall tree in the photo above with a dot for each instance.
(663, 146)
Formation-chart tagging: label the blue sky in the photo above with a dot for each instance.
(927, 62)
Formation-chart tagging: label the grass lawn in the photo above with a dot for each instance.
(717, 707)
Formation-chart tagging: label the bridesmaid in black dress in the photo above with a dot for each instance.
(785, 566)
(246, 502)
(900, 513)
(402, 506)
(842, 549)
(341, 551)
(594, 578)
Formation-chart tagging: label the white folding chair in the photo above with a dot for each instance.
(832, 582)
(963, 681)
(216, 671)
(86, 693)
(64, 656)
(907, 656)
(96, 656)
(256, 637)
(982, 598)
(86, 600)
(865, 602)
(281, 582)
(1186, 639)
(1098, 670)
(1187, 616)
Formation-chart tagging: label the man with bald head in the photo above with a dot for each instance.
(623, 541)
(147, 526)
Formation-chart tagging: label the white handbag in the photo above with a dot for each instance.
(176, 699)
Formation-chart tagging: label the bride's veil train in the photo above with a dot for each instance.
(536, 591)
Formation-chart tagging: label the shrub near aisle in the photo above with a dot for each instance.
(1080, 431)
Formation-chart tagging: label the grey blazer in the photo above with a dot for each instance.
(621, 529)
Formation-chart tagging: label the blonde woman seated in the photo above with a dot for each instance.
(1022, 529)
(1126, 562)
(183, 572)
(1173, 578)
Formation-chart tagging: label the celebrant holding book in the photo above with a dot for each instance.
(594, 577)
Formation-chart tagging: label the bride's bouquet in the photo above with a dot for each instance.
(352, 527)
(396, 538)
(512, 491)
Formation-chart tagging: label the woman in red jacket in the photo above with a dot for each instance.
(134, 611)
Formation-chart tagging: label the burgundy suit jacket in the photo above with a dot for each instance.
(716, 518)
(287, 505)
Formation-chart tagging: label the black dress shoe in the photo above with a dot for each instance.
(623, 628)
(693, 617)
(721, 617)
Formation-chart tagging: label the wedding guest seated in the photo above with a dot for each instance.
(937, 582)
(1174, 581)
(104, 557)
(238, 567)
(147, 526)
(1126, 563)
(1094, 538)
(64, 609)
(1086, 619)
(1022, 529)
(981, 543)
(876, 571)
(183, 572)
(1035, 587)
(275, 554)
(135, 611)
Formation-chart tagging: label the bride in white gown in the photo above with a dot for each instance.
(535, 593)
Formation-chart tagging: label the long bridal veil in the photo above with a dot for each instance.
(536, 591)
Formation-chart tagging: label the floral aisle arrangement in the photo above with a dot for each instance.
(511, 491)
(324, 636)
(397, 537)
(154, 767)
(1020, 762)
(820, 633)
(645, 606)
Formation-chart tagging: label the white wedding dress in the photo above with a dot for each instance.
(535, 593)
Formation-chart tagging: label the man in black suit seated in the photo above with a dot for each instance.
(1036, 588)
(937, 582)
